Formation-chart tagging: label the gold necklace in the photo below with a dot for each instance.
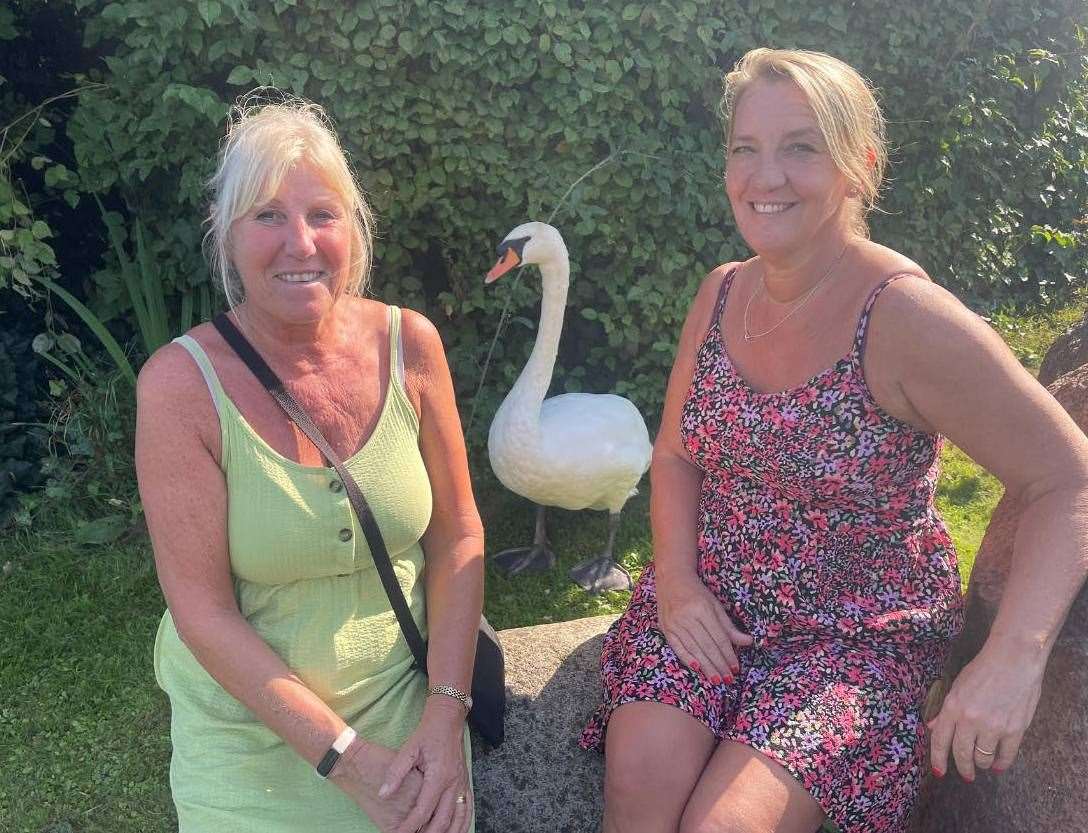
(749, 335)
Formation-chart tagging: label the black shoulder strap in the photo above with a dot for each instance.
(272, 383)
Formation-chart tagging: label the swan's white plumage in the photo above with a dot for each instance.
(577, 450)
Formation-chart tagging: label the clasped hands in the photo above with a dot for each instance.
(417, 787)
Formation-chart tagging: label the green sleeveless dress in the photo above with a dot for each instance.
(305, 580)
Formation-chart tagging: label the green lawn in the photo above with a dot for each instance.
(84, 734)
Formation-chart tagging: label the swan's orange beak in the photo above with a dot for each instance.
(507, 262)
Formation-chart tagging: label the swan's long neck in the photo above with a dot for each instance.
(522, 404)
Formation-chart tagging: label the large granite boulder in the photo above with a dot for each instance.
(540, 780)
(1045, 789)
(1067, 353)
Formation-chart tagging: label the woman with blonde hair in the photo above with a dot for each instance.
(771, 668)
(295, 705)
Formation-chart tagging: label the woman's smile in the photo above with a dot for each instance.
(771, 207)
(300, 277)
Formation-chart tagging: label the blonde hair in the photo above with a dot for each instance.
(269, 132)
(845, 106)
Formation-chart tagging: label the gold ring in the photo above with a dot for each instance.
(982, 751)
(460, 799)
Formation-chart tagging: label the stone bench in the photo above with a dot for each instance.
(540, 780)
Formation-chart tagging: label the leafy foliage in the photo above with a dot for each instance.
(90, 470)
(20, 448)
(463, 119)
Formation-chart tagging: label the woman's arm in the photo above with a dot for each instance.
(454, 576)
(187, 519)
(692, 619)
(957, 377)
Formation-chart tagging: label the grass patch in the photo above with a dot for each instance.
(84, 731)
(574, 536)
(966, 497)
(1030, 334)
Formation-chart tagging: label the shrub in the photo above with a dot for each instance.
(20, 445)
(464, 119)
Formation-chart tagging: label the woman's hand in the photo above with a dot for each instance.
(698, 629)
(987, 710)
(360, 772)
(436, 749)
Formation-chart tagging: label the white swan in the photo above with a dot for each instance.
(575, 451)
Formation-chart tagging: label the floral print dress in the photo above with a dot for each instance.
(818, 533)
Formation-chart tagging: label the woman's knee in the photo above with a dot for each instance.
(742, 791)
(720, 822)
(654, 755)
(628, 770)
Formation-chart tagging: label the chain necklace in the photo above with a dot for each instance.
(749, 335)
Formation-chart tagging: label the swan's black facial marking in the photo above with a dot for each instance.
(517, 244)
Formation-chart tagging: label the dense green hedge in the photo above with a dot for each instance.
(465, 118)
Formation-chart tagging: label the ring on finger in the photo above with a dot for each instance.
(986, 752)
(460, 799)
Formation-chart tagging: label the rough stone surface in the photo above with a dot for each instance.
(1067, 353)
(1045, 788)
(540, 780)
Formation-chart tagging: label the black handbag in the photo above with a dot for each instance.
(489, 670)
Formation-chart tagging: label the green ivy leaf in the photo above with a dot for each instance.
(209, 11)
(563, 54)
(115, 12)
(240, 75)
(56, 174)
(407, 41)
(101, 531)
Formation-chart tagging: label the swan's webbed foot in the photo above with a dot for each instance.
(596, 575)
(535, 559)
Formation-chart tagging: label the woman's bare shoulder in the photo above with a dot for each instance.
(422, 341)
(881, 262)
(171, 390)
(706, 299)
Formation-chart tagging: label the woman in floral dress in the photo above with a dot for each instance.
(771, 668)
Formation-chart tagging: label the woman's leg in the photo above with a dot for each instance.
(744, 791)
(653, 757)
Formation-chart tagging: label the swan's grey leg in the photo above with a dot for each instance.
(540, 534)
(613, 525)
(534, 559)
(602, 573)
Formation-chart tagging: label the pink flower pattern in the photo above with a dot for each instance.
(818, 533)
